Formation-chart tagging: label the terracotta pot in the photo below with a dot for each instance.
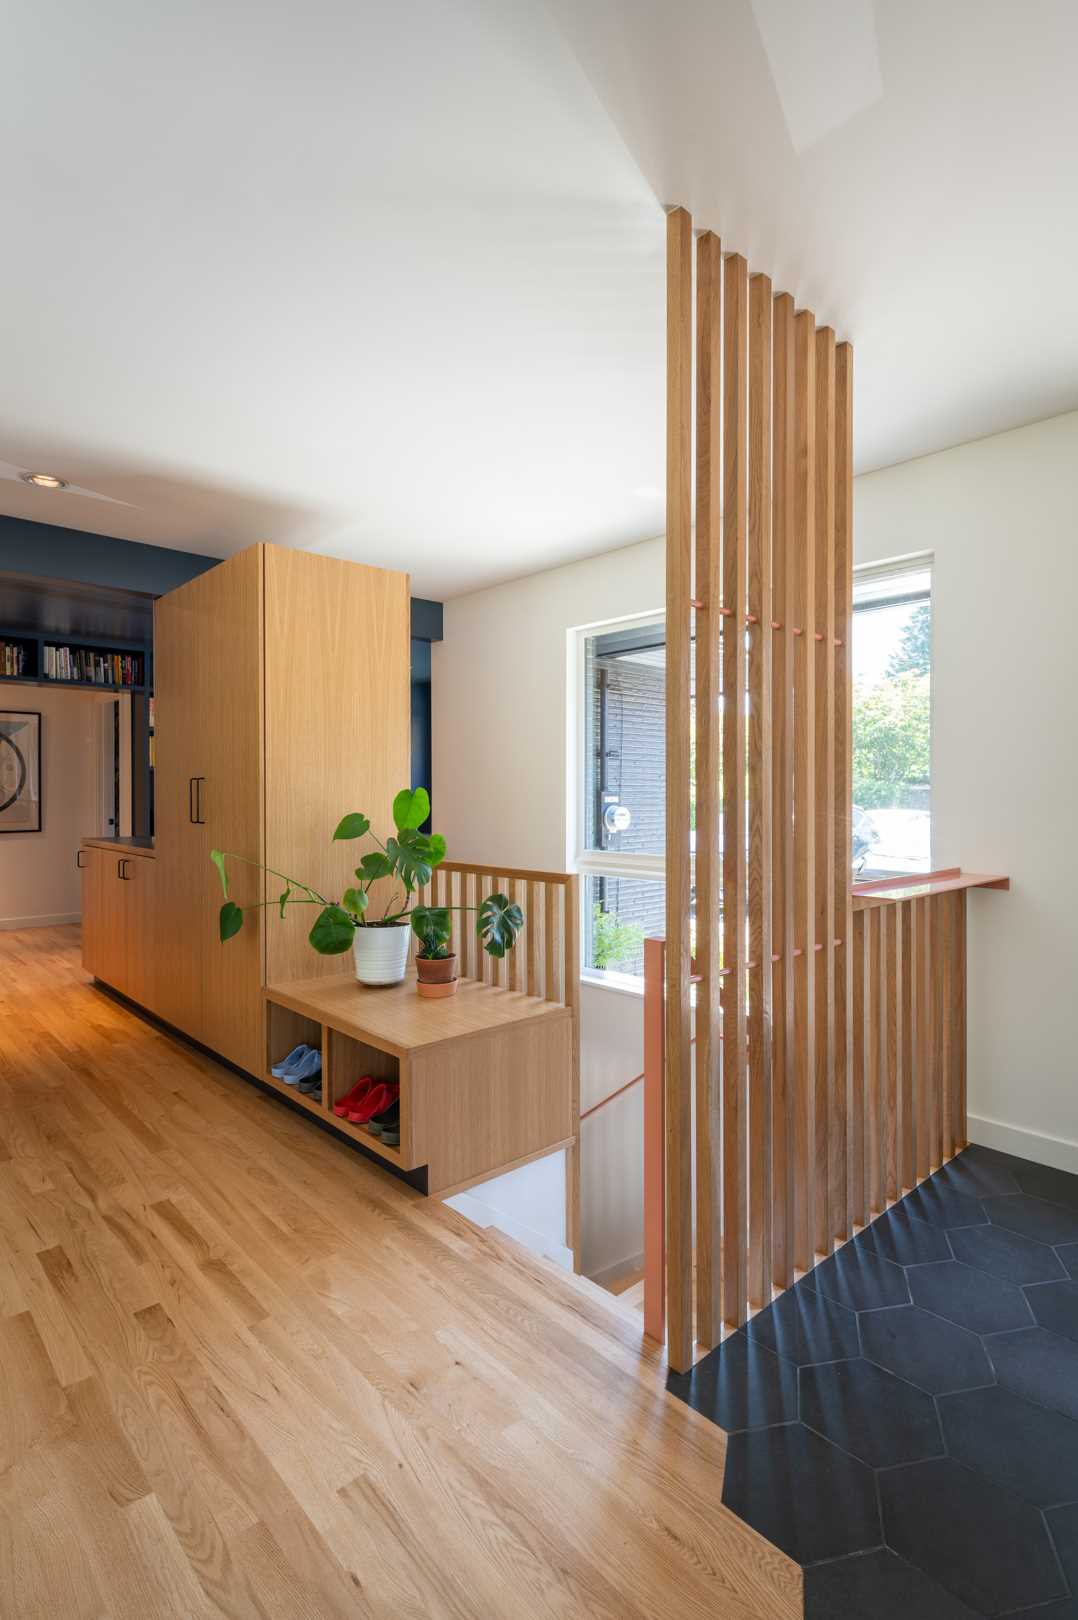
(436, 976)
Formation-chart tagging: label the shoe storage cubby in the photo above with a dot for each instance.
(286, 1029)
(349, 1060)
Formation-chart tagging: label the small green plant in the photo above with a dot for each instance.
(408, 859)
(612, 940)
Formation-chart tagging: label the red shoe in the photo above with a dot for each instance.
(380, 1096)
(353, 1098)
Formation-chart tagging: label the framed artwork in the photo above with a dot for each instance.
(20, 771)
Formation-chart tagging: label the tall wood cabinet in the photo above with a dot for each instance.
(282, 701)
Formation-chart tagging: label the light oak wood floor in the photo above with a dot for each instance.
(244, 1373)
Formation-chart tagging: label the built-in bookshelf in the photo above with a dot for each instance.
(74, 661)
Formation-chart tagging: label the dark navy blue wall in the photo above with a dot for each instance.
(49, 552)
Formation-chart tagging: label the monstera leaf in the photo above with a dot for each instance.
(333, 931)
(373, 866)
(231, 920)
(414, 856)
(352, 826)
(498, 924)
(411, 808)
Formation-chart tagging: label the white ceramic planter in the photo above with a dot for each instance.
(381, 954)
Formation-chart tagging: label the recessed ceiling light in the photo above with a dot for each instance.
(44, 480)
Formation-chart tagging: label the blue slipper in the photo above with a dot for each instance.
(294, 1057)
(309, 1065)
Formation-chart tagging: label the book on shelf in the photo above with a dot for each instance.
(13, 658)
(93, 666)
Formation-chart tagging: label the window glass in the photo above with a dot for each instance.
(892, 720)
(619, 913)
(625, 765)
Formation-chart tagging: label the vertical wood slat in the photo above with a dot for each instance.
(891, 992)
(907, 1169)
(759, 792)
(934, 1014)
(571, 995)
(708, 587)
(829, 1192)
(804, 1041)
(782, 722)
(959, 1016)
(858, 1183)
(922, 1005)
(945, 978)
(843, 776)
(514, 959)
(734, 823)
(872, 1064)
(678, 879)
(532, 923)
(550, 942)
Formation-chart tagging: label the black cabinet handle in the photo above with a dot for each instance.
(79, 862)
(121, 866)
(199, 817)
(191, 798)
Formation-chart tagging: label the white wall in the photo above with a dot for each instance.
(1001, 516)
(504, 766)
(39, 883)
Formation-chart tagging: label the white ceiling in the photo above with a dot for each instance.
(386, 280)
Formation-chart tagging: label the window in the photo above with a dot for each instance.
(622, 815)
(892, 717)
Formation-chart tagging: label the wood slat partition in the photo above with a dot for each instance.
(830, 1028)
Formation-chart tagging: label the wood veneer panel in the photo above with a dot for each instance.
(829, 1119)
(959, 1006)
(708, 587)
(337, 725)
(804, 865)
(843, 781)
(760, 636)
(945, 978)
(922, 1026)
(734, 864)
(571, 995)
(678, 879)
(783, 1118)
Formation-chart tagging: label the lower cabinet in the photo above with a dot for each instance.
(119, 920)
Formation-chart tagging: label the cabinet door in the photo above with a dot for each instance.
(91, 862)
(179, 840)
(141, 928)
(230, 803)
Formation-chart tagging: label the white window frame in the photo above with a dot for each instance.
(593, 862)
(912, 562)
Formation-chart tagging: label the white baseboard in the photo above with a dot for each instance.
(621, 1268)
(41, 922)
(480, 1214)
(1056, 1151)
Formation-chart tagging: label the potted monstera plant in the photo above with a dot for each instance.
(380, 943)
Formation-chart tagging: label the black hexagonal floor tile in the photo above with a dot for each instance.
(969, 1298)
(859, 1279)
(1033, 1217)
(1005, 1254)
(1055, 1306)
(918, 1346)
(1063, 1523)
(942, 1206)
(1042, 1181)
(870, 1413)
(877, 1586)
(1066, 1610)
(801, 1493)
(987, 1547)
(1024, 1448)
(898, 1235)
(1039, 1365)
(739, 1385)
(804, 1326)
(1068, 1253)
(977, 1176)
